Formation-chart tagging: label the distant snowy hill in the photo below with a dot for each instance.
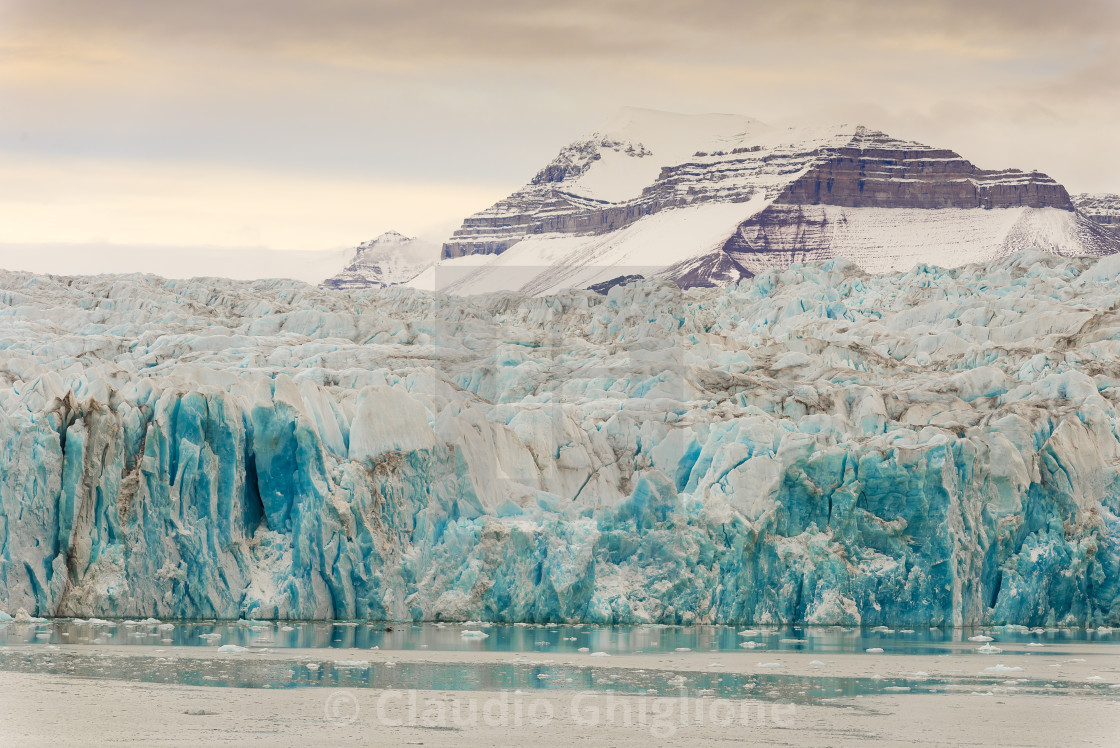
(709, 199)
(389, 260)
(173, 261)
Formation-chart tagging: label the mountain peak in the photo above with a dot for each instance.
(670, 136)
(389, 260)
(389, 237)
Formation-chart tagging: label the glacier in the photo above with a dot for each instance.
(816, 444)
(706, 200)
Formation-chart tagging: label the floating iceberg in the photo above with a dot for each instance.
(934, 447)
(22, 616)
(469, 634)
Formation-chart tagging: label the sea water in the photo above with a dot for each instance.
(268, 654)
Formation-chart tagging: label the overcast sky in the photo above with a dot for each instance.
(312, 125)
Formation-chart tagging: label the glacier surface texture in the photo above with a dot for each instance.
(816, 444)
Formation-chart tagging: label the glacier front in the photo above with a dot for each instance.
(816, 444)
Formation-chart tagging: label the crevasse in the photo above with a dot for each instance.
(817, 445)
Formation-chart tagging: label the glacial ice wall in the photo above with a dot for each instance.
(817, 444)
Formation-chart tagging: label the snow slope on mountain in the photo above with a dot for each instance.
(552, 262)
(389, 260)
(877, 239)
(816, 444)
(882, 240)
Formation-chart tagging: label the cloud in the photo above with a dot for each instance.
(113, 202)
(323, 122)
(393, 32)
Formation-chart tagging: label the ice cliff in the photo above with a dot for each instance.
(815, 444)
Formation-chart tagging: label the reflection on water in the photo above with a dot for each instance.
(246, 671)
(537, 656)
(544, 638)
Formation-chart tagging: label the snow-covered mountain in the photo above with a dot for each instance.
(1103, 209)
(389, 260)
(709, 199)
